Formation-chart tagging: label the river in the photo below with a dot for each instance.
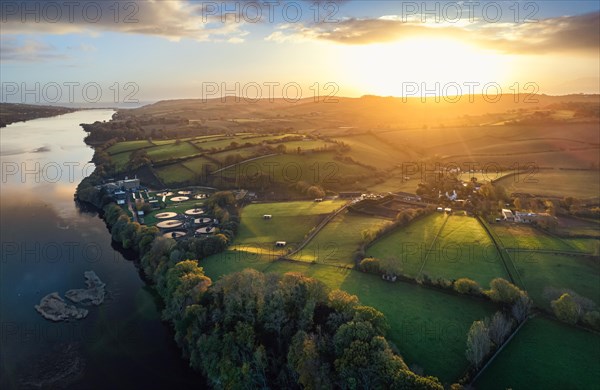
(48, 241)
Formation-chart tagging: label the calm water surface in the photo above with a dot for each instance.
(47, 244)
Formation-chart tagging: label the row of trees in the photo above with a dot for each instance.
(487, 335)
(571, 308)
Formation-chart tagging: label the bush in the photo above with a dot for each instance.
(592, 319)
(467, 286)
(566, 309)
(370, 265)
(503, 291)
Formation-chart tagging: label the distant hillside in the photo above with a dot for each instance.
(14, 112)
(366, 112)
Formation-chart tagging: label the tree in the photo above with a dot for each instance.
(518, 204)
(305, 359)
(467, 286)
(521, 308)
(185, 284)
(566, 309)
(138, 159)
(478, 343)
(592, 319)
(370, 265)
(315, 192)
(498, 327)
(391, 266)
(502, 290)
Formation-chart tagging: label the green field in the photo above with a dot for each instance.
(198, 164)
(541, 270)
(173, 150)
(291, 221)
(407, 246)
(339, 239)
(521, 236)
(175, 173)
(120, 160)
(463, 249)
(244, 153)
(380, 153)
(561, 183)
(546, 354)
(290, 168)
(396, 182)
(586, 245)
(128, 146)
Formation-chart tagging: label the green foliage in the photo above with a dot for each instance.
(467, 286)
(185, 284)
(566, 309)
(592, 319)
(499, 327)
(478, 343)
(370, 265)
(503, 291)
(317, 338)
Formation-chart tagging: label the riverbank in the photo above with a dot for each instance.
(16, 112)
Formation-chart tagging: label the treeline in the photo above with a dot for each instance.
(572, 308)
(254, 330)
(16, 112)
(135, 128)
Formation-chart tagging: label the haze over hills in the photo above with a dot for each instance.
(372, 112)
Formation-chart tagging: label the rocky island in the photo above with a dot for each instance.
(93, 295)
(54, 308)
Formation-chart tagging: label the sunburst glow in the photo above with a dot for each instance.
(386, 69)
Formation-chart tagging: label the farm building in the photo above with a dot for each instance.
(408, 196)
(280, 244)
(120, 197)
(129, 184)
(508, 215)
(267, 216)
(350, 194)
(524, 217)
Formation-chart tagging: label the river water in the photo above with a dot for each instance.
(48, 242)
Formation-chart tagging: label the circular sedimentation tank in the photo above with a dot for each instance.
(165, 215)
(169, 224)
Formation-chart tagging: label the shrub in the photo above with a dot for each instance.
(592, 319)
(502, 290)
(467, 286)
(566, 309)
(370, 265)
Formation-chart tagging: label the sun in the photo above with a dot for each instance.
(446, 65)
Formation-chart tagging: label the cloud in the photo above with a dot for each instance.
(28, 51)
(559, 34)
(171, 19)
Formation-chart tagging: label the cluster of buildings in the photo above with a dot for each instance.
(523, 216)
(120, 188)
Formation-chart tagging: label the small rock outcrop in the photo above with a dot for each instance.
(52, 307)
(93, 295)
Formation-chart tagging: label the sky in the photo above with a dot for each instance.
(129, 52)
